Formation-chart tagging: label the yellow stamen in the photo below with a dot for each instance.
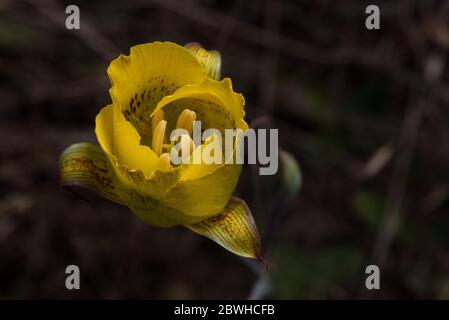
(157, 117)
(185, 120)
(164, 162)
(158, 137)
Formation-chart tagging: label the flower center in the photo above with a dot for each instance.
(159, 141)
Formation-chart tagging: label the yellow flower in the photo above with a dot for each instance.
(159, 87)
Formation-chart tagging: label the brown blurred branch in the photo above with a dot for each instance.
(87, 33)
(373, 58)
(228, 27)
(264, 37)
(420, 105)
(406, 146)
(268, 62)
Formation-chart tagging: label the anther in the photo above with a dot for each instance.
(164, 162)
(157, 117)
(185, 120)
(158, 137)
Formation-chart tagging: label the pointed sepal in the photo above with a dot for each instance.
(234, 229)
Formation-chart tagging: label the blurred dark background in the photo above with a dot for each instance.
(364, 112)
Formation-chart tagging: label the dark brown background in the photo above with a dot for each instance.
(364, 113)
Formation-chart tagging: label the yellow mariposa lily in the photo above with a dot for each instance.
(159, 87)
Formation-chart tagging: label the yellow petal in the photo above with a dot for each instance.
(204, 196)
(138, 156)
(104, 129)
(164, 162)
(196, 168)
(215, 103)
(121, 142)
(85, 165)
(138, 82)
(153, 212)
(209, 60)
(233, 229)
